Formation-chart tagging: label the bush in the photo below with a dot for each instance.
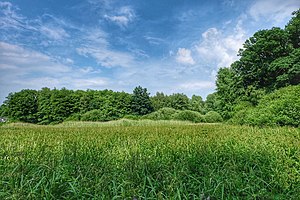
(161, 114)
(188, 115)
(100, 115)
(74, 117)
(278, 108)
(213, 117)
(132, 117)
(240, 111)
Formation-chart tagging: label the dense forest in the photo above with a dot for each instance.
(261, 88)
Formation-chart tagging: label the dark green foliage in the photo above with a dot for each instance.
(100, 115)
(3, 110)
(45, 115)
(197, 104)
(228, 92)
(287, 69)
(293, 29)
(258, 53)
(62, 104)
(121, 101)
(213, 117)
(141, 104)
(269, 60)
(22, 106)
(212, 102)
(178, 101)
(188, 115)
(48, 106)
(159, 100)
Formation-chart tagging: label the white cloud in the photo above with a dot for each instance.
(10, 19)
(89, 70)
(123, 17)
(24, 68)
(89, 83)
(184, 56)
(154, 40)
(221, 49)
(197, 85)
(28, 61)
(273, 10)
(105, 57)
(96, 46)
(69, 61)
(55, 33)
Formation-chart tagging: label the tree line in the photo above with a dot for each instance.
(47, 105)
(262, 87)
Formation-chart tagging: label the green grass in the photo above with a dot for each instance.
(148, 160)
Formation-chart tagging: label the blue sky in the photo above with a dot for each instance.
(164, 45)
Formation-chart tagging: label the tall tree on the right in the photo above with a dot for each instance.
(293, 28)
(258, 52)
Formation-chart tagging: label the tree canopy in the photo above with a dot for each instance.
(269, 60)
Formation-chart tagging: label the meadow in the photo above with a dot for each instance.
(148, 160)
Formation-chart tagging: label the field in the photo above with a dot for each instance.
(148, 160)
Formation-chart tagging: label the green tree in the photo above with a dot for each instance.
(141, 104)
(3, 110)
(159, 100)
(212, 103)
(258, 53)
(22, 106)
(62, 104)
(44, 114)
(196, 104)
(178, 101)
(287, 70)
(293, 29)
(229, 91)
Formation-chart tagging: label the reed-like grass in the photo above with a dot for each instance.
(148, 160)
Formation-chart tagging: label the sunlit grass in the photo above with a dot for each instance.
(148, 160)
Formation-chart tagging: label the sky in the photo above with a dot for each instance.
(170, 46)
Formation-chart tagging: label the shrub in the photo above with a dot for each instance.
(278, 108)
(212, 117)
(240, 111)
(132, 117)
(74, 117)
(161, 114)
(188, 115)
(100, 115)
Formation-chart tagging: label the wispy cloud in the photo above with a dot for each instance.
(95, 45)
(49, 30)
(25, 68)
(197, 85)
(11, 19)
(26, 61)
(154, 40)
(55, 33)
(273, 10)
(123, 17)
(184, 56)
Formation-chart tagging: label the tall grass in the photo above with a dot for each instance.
(148, 160)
